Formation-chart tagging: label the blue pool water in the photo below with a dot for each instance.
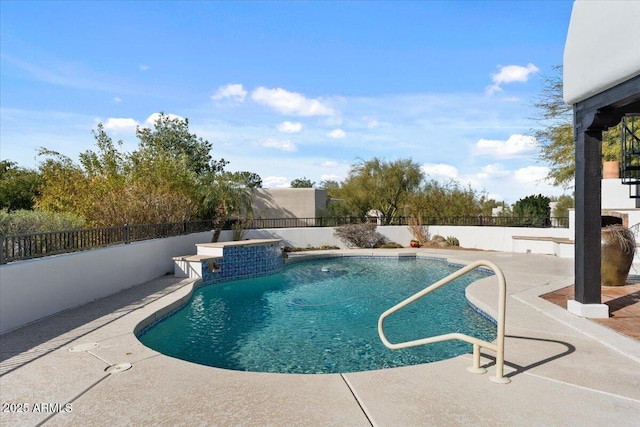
(321, 317)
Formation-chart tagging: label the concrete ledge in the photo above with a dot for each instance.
(545, 239)
(196, 258)
(562, 247)
(250, 242)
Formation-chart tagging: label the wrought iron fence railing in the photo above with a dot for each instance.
(19, 247)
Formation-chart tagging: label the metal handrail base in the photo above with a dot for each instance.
(498, 346)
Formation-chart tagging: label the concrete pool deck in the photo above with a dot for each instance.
(564, 370)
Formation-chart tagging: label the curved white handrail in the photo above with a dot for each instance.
(498, 347)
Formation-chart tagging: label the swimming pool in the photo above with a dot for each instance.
(321, 317)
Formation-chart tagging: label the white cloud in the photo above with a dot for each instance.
(143, 67)
(531, 174)
(440, 170)
(280, 144)
(152, 118)
(329, 164)
(121, 124)
(371, 122)
(231, 91)
(116, 99)
(325, 177)
(516, 146)
(493, 171)
(337, 134)
(510, 74)
(290, 127)
(290, 102)
(275, 182)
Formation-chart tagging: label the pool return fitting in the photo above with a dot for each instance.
(498, 347)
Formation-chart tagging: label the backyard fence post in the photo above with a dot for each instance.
(126, 234)
(1, 249)
(184, 226)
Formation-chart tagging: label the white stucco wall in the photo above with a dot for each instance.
(31, 290)
(615, 195)
(601, 49)
(487, 238)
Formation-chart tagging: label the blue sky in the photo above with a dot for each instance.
(290, 89)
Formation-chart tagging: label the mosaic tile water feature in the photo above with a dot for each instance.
(244, 262)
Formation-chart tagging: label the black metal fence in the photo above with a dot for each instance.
(35, 245)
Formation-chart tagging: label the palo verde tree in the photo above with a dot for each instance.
(448, 199)
(555, 132)
(384, 186)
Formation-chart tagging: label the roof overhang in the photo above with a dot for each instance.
(601, 50)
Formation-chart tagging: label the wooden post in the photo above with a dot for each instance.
(588, 206)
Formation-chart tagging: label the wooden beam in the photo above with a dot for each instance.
(588, 200)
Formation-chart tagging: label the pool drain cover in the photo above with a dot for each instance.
(120, 367)
(83, 347)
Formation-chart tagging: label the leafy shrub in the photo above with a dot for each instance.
(360, 235)
(25, 222)
(533, 210)
(452, 241)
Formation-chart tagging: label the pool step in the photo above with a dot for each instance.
(193, 265)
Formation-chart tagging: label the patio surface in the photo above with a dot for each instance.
(564, 370)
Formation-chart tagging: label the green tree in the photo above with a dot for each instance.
(555, 133)
(224, 195)
(330, 185)
(171, 135)
(249, 179)
(302, 183)
(449, 199)
(19, 186)
(533, 209)
(563, 204)
(33, 221)
(380, 185)
(156, 183)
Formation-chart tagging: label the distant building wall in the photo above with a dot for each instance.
(289, 202)
(615, 195)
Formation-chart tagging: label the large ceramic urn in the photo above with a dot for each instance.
(618, 248)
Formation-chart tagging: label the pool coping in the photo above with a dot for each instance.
(592, 381)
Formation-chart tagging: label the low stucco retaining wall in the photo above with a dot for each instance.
(486, 238)
(31, 290)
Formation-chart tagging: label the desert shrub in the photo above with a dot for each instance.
(391, 245)
(452, 241)
(359, 235)
(25, 222)
(418, 230)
